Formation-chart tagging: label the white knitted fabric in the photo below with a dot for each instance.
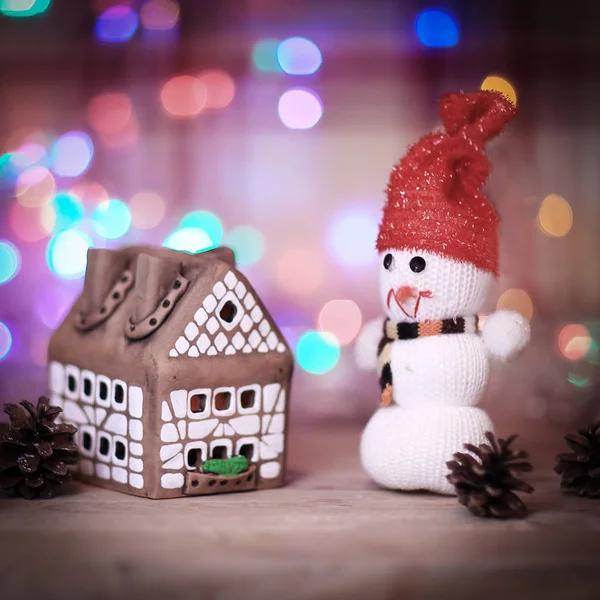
(437, 380)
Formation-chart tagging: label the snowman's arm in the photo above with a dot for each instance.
(368, 339)
(505, 334)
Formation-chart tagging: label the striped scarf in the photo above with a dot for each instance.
(398, 330)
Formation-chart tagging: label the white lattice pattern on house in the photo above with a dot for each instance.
(230, 306)
(104, 410)
(194, 428)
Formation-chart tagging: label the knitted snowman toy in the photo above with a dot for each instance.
(438, 246)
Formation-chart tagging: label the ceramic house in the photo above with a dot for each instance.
(168, 359)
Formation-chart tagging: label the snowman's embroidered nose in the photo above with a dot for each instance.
(405, 292)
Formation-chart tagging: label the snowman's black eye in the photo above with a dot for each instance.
(388, 259)
(417, 264)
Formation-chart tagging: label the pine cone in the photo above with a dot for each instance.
(486, 486)
(580, 469)
(35, 451)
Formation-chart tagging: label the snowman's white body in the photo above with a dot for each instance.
(437, 380)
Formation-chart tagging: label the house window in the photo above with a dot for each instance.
(247, 447)
(198, 403)
(222, 401)
(71, 383)
(104, 446)
(219, 452)
(119, 394)
(103, 391)
(221, 448)
(103, 388)
(120, 450)
(247, 450)
(228, 312)
(247, 399)
(87, 441)
(195, 454)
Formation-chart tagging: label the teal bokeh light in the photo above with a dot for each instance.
(317, 353)
(23, 8)
(205, 220)
(247, 243)
(111, 219)
(68, 211)
(67, 253)
(264, 55)
(10, 261)
(189, 239)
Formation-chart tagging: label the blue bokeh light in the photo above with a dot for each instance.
(247, 243)
(437, 29)
(317, 353)
(205, 220)
(111, 219)
(72, 154)
(117, 24)
(189, 239)
(67, 253)
(10, 261)
(299, 56)
(5, 341)
(68, 211)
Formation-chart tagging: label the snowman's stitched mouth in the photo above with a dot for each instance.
(408, 299)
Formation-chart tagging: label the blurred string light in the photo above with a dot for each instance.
(109, 113)
(299, 56)
(342, 319)
(117, 24)
(183, 96)
(72, 154)
(264, 55)
(300, 109)
(10, 261)
(317, 352)
(111, 219)
(300, 271)
(147, 209)
(68, 211)
(220, 88)
(23, 8)
(35, 187)
(351, 235)
(247, 243)
(5, 341)
(500, 84)
(159, 15)
(31, 224)
(578, 380)
(67, 253)
(205, 220)
(29, 155)
(574, 341)
(189, 239)
(52, 304)
(437, 29)
(518, 300)
(90, 192)
(555, 216)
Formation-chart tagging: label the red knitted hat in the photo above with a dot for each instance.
(434, 199)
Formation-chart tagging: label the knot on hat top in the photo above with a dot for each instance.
(434, 199)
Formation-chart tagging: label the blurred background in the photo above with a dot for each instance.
(271, 126)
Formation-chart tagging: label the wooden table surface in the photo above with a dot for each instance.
(330, 533)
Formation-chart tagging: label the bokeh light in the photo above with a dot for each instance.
(52, 303)
(31, 224)
(5, 341)
(437, 29)
(593, 355)
(518, 300)
(29, 155)
(205, 220)
(147, 210)
(342, 319)
(67, 253)
(264, 55)
(351, 236)
(72, 153)
(183, 96)
(109, 113)
(111, 219)
(574, 341)
(10, 261)
(555, 216)
(247, 243)
(220, 88)
(68, 211)
(300, 271)
(35, 187)
(159, 15)
(299, 56)
(90, 192)
(317, 352)
(578, 380)
(117, 24)
(500, 84)
(189, 239)
(300, 109)
(23, 8)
